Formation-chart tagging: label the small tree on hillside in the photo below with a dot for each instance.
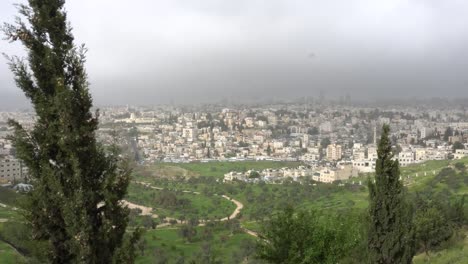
(391, 235)
(306, 237)
(431, 227)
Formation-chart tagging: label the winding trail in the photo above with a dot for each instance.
(249, 232)
(236, 212)
(148, 210)
(145, 210)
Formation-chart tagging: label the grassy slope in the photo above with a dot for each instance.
(456, 253)
(201, 205)
(8, 255)
(416, 177)
(8, 196)
(8, 199)
(169, 239)
(211, 169)
(223, 245)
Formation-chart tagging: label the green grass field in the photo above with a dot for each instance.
(173, 247)
(7, 213)
(8, 196)
(200, 205)
(8, 200)
(8, 255)
(210, 169)
(456, 253)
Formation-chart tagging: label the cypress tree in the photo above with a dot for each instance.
(78, 185)
(391, 235)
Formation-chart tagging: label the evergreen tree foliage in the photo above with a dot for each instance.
(431, 227)
(307, 237)
(75, 205)
(391, 234)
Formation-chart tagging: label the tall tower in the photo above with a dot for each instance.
(375, 135)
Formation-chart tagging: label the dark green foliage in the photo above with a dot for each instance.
(313, 131)
(8, 196)
(126, 253)
(18, 235)
(438, 219)
(431, 227)
(460, 166)
(457, 145)
(244, 252)
(168, 199)
(306, 237)
(75, 203)
(188, 232)
(254, 175)
(448, 133)
(325, 142)
(359, 251)
(391, 234)
(450, 177)
(456, 213)
(433, 219)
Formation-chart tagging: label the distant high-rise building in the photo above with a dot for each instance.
(321, 96)
(375, 135)
(190, 134)
(372, 153)
(348, 99)
(334, 152)
(305, 140)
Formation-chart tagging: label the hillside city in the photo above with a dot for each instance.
(236, 132)
(333, 141)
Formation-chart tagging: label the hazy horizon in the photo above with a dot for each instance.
(185, 51)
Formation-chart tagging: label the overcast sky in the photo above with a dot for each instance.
(149, 51)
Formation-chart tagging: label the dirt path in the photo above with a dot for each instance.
(148, 210)
(236, 212)
(250, 232)
(144, 209)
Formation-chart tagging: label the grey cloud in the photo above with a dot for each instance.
(157, 51)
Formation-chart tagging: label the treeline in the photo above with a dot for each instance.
(316, 236)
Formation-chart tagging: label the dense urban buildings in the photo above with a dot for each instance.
(334, 141)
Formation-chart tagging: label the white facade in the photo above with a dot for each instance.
(406, 158)
(364, 165)
(460, 153)
(190, 134)
(10, 169)
(334, 152)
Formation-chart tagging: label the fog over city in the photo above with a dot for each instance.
(180, 51)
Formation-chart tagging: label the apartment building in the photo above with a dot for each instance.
(334, 152)
(10, 169)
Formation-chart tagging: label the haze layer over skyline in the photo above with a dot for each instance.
(150, 52)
